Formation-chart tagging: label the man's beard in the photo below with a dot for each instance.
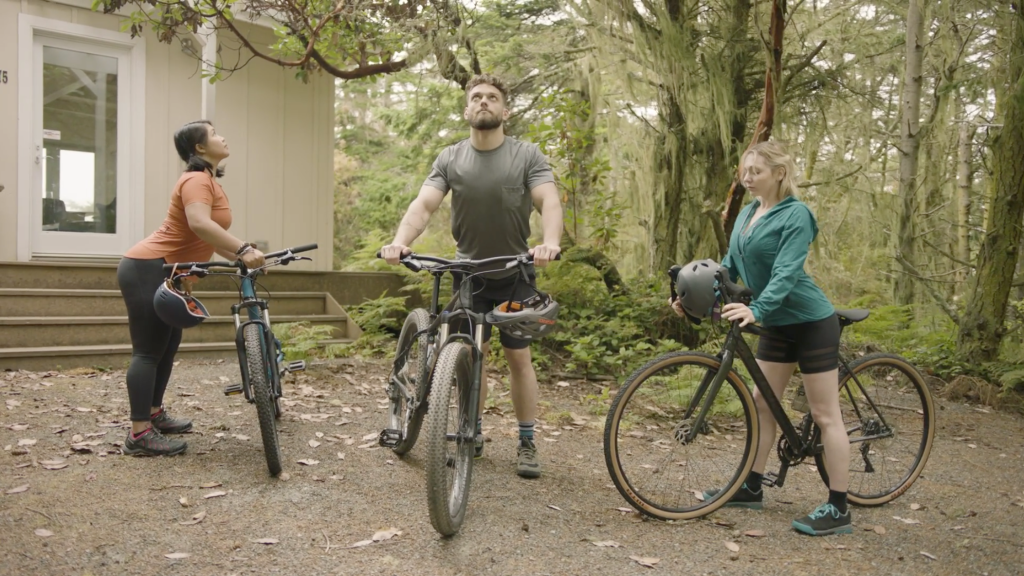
(488, 121)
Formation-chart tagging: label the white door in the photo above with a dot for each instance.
(85, 153)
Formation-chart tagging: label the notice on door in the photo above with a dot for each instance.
(51, 134)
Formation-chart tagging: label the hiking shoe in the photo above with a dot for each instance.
(478, 446)
(168, 424)
(743, 498)
(153, 443)
(825, 520)
(528, 466)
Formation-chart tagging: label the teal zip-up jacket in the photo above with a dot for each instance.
(770, 256)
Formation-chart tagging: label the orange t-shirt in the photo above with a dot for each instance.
(174, 241)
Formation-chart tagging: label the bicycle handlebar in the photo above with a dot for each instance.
(412, 261)
(238, 263)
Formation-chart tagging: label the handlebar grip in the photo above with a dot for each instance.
(305, 248)
(673, 274)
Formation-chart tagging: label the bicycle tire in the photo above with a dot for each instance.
(680, 499)
(449, 471)
(257, 362)
(410, 361)
(907, 421)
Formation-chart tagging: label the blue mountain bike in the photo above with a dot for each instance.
(260, 356)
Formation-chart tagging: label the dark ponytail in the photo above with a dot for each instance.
(185, 141)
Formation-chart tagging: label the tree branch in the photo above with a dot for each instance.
(801, 66)
(938, 298)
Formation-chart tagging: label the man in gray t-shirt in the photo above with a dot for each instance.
(495, 182)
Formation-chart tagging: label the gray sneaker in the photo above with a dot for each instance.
(152, 443)
(529, 466)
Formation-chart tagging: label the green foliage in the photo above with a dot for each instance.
(381, 320)
(302, 340)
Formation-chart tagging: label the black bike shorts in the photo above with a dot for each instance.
(488, 293)
(812, 345)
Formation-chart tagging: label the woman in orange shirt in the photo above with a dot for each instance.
(196, 226)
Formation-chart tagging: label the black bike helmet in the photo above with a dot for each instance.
(177, 309)
(695, 286)
(534, 317)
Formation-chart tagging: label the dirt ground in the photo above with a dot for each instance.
(70, 503)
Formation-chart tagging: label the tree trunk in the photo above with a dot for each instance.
(982, 326)
(765, 122)
(671, 155)
(963, 184)
(903, 288)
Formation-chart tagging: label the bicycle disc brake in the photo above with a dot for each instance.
(685, 427)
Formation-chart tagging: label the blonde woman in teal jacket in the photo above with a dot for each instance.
(767, 251)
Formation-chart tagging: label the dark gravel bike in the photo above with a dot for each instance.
(686, 422)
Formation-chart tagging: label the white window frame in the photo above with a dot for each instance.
(133, 157)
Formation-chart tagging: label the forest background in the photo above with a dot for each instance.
(906, 119)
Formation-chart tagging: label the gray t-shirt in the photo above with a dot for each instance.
(491, 200)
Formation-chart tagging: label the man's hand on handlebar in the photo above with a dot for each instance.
(252, 259)
(392, 253)
(737, 311)
(545, 253)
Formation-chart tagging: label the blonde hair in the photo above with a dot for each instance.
(776, 156)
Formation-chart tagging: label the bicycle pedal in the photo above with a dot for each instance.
(295, 366)
(770, 479)
(232, 389)
(389, 438)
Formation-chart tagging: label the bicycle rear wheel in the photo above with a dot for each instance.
(890, 417)
(450, 438)
(258, 368)
(651, 464)
(410, 370)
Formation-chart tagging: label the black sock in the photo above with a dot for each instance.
(754, 481)
(838, 499)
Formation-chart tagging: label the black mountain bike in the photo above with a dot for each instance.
(686, 422)
(259, 353)
(437, 375)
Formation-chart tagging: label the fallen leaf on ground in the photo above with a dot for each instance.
(367, 445)
(644, 561)
(879, 530)
(183, 501)
(382, 535)
(53, 464)
(177, 555)
(195, 519)
(608, 544)
(906, 520)
(755, 533)
(553, 507)
(313, 443)
(308, 462)
(267, 541)
(721, 522)
(210, 485)
(18, 427)
(732, 546)
(341, 455)
(370, 437)
(928, 556)
(216, 494)
(915, 506)
(45, 533)
(624, 510)
(27, 442)
(240, 436)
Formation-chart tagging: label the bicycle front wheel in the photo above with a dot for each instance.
(655, 466)
(890, 418)
(406, 408)
(258, 368)
(450, 438)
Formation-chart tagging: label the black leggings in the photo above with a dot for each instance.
(154, 343)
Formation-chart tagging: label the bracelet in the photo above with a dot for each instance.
(245, 247)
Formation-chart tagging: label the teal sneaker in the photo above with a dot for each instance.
(743, 498)
(825, 520)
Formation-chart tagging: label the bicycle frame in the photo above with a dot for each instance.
(258, 313)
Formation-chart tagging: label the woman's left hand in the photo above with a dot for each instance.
(741, 312)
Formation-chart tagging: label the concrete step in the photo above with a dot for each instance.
(50, 331)
(18, 302)
(347, 288)
(110, 356)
